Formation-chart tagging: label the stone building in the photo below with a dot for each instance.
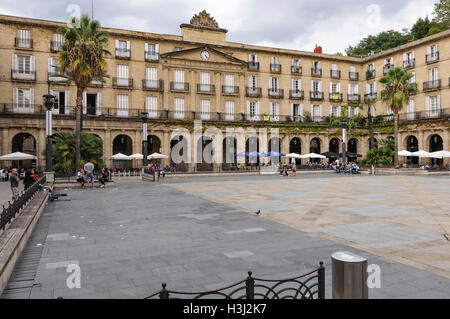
(199, 75)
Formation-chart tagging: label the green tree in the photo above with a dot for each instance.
(421, 28)
(397, 88)
(64, 151)
(369, 103)
(82, 58)
(383, 41)
(383, 155)
(442, 13)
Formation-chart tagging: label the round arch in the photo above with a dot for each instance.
(24, 143)
(295, 146)
(436, 144)
(314, 147)
(122, 144)
(228, 151)
(205, 153)
(412, 145)
(353, 148)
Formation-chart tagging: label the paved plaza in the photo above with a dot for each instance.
(201, 233)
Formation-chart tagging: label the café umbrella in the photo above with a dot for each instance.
(422, 153)
(157, 156)
(312, 155)
(17, 156)
(404, 153)
(441, 154)
(121, 157)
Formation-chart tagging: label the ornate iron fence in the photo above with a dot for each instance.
(13, 209)
(307, 286)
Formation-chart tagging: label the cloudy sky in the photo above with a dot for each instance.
(293, 24)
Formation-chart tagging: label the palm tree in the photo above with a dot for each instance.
(81, 57)
(397, 90)
(369, 103)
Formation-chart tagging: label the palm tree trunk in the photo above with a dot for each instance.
(396, 137)
(78, 111)
(372, 139)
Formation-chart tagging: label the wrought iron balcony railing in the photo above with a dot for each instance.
(230, 90)
(122, 83)
(296, 69)
(354, 76)
(253, 66)
(153, 85)
(335, 74)
(275, 68)
(316, 96)
(408, 64)
(354, 98)
(21, 75)
(296, 94)
(58, 76)
(123, 53)
(370, 74)
(335, 97)
(431, 58)
(151, 56)
(206, 88)
(253, 92)
(26, 44)
(276, 93)
(371, 96)
(316, 72)
(432, 85)
(55, 45)
(179, 86)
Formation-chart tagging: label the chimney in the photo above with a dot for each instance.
(318, 49)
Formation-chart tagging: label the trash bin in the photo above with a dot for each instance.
(349, 276)
(155, 176)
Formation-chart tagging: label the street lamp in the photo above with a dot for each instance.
(49, 101)
(144, 117)
(344, 138)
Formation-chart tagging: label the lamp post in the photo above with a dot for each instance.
(344, 139)
(49, 101)
(144, 117)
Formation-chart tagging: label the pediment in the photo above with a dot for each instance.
(215, 56)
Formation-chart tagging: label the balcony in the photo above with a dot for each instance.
(387, 68)
(296, 94)
(25, 76)
(24, 44)
(354, 76)
(125, 83)
(179, 86)
(431, 85)
(95, 84)
(354, 98)
(55, 45)
(316, 96)
(335, 74)
(370, 74)
(253, 66)
(409, 64)
(372, 96)
(316, 72)
(206, 88)
(58, 76)
(335, 97)
(295, 69)
(275, 68)
(151, 56)
(431, 58)
(230, 90)
(253, 92)
(153, 85)
(123, 54)
(276, 93)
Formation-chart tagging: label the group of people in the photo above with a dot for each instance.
(86, 175)
(161, 171)
(29, 177)
(350, 167)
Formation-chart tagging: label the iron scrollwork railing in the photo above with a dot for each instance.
(307, 286)
(10, 212)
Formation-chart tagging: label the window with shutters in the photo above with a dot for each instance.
(57, 41)
(122, 49)
(152, 78)
(410, 110)
(433, 105)
(23, 98)
(24, 64)
(334, 111)
(229, 84)
(408, 60)
(179, 80)
(296, 66)
(205, 82)
(274, 111)
(229, 110)
(152, 106)
(432, 54)
(122, 75)
(205, 106)
(179, 108)
(316, 113)
(151, 52)
(252, 110)
(122, 105)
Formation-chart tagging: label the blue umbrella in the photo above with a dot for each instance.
(275, 154)
(255, 154)
(241, 154)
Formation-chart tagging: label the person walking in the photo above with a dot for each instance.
(89, 168)
(104, 178)
(294, 169)
(14, 179)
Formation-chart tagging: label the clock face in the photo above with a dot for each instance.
(205, 55)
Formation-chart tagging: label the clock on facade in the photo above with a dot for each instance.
(205, 55)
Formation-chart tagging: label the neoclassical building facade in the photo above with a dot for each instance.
(199, 75)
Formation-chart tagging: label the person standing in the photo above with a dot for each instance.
(28, 180)
(89, 168)
(14, 184)
(294, 169)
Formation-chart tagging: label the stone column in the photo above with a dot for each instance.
(5, 142)
(107, 146)
(192, 79)
(165, 96)
(166, 147)
(284, 147)
(241, 108)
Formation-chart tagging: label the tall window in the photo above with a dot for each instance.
(334, 111)
(152, 106)
(22, 98)
(274, 111)
(24, 64)
(252, 109)
(296, 85)
(410, 110)
(122, 75)
(205, 80)
(229, 83)
(179, 108)
(273, 84)
(23, 38)
(179, 79)
(152, 77)
(122, 105)
(205, 109)
(229, 109)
